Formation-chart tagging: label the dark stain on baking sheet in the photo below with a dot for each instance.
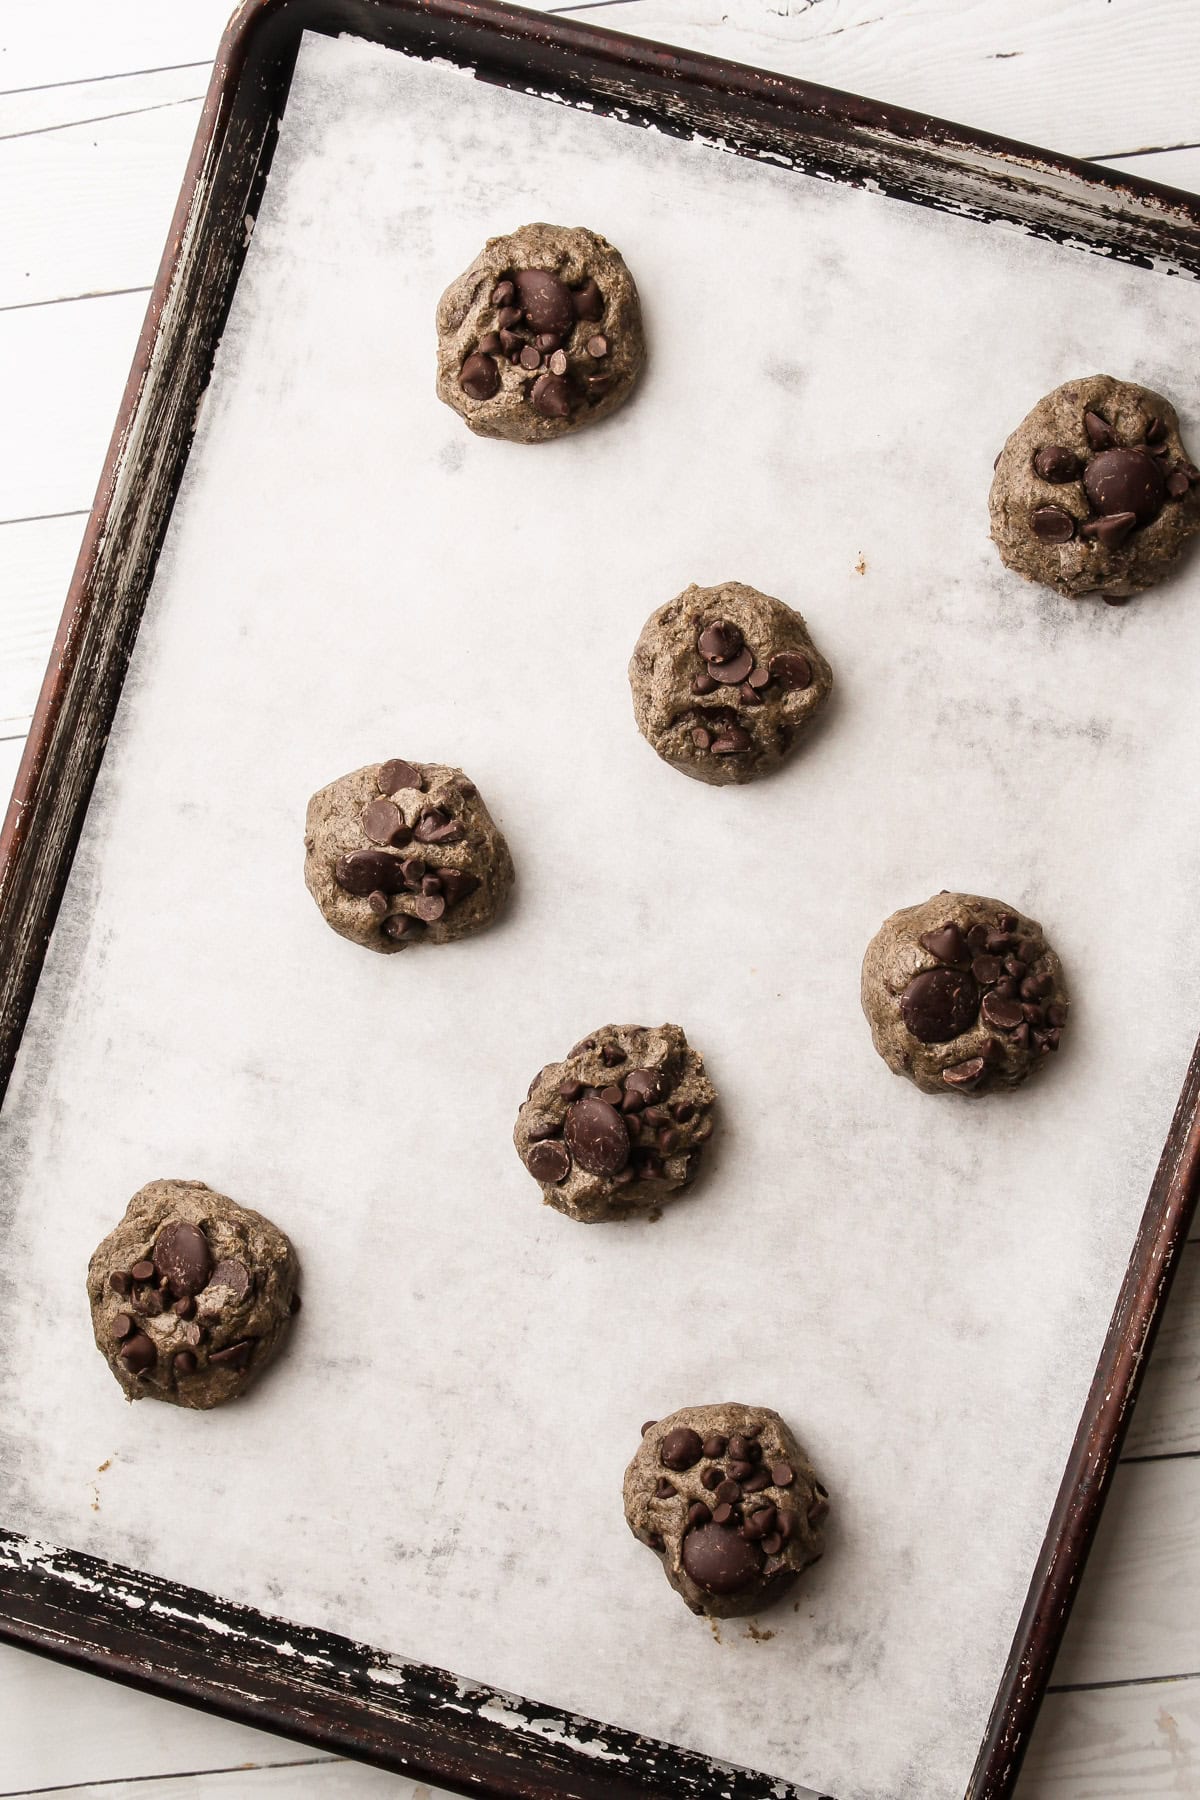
(323, 1689)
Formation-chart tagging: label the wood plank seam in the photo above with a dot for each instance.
(129, 112)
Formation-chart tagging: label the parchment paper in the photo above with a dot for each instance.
(920, 1287)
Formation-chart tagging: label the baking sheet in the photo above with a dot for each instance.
(921, 1288)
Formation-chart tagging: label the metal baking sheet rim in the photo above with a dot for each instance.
(182, 1644)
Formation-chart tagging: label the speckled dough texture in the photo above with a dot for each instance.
(1094, 492)
(729, 718)
(620, 1125)
(551, 356)
(403, 853)
(963, 995)
(210, 1305)
(730, 1504)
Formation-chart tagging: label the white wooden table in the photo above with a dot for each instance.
(98, 103)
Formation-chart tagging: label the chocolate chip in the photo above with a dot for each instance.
(732, 741)
(939, 1004)
(665, 1490)
(1057, 1014)
(1156, 429)
(698, 1513)
(547, 1129)
(413, 870)
(383, 823)
(1052, 525)
(587, 301)
(1056, 463)
(611, 1055)
(947, 943)
(143, 1270)
(234, 1356)
(1177, 484)
(435, 826)
(782, 1474)
(758, 1524)
(759, 678)
(378, 903)
(703, 684)
(986, 970)
(729, 1491)
(550, 396)
(682, 1111)
(502, 293)
(701, 738)
(509, 316)
(1004, 1014)
(613, 1095)
(999, 941)
(1112, 530)
(138, 1354)
(719, 1560)
(402, 928)
(429, 907)
(721, 641)
(479, 378)
(668, 1139)
(184, 1308)
(363, 872)
(711, 1478)
(772, 1544)
(597, 346)
(647, 1426)
(457, 884)
(977, 937)
(791, 670)
(647, 1082)
(714, 1444)
(183, 1363)
(511, 344)
(1125, 481)
(548, 341)
(122, 1325)
(704, 1131)
(681, 1448)
(119, 1282)
(182, 1255)
(531, 358)
(558, 363)
(964, 1074)
(231, 1274)
(1099, 432)
(490, 344)
(734, 670)
(596, 1135)
(545, 300)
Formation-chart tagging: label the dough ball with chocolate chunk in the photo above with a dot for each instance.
(963, 995)
(620, 1125)
(540, 336)
(729, 1503)
(191, 1295)
(1094, 492)
(726, 681)
(403, 853)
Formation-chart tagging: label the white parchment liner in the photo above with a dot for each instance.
(920, 1287)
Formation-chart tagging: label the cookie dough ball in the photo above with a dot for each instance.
(191, 1295)
(726, 681)
(963, 995)
(728, 1501)
(1094, 492)
(404, 853)
(620, 1126)
(540, 336)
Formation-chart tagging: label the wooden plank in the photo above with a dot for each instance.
(36, 561)
(1081, 76)
(287, 1781)
(1166, 1421)
(1138, 1606)
(116, 1732)
(1104, 1744)
(76, 40)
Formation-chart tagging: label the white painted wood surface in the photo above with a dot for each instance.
(98, 103)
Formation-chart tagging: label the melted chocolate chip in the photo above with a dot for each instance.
(364, 872)
(720, 642)
(1125, 481)
(1004, 1014)
(596, 1135)
(734, 670)
(545, 300)
(479, 378)
(681, 1448)
(791, 670)
(939, 1004)
(720, 1560)
(383, 823)
(964, 1074)
(182, 1255)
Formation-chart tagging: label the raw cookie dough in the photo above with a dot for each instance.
(1094, 492)
(191, 1295)
(729, 1502)
(963, 994)
(542, 334)
(404, 853)
(726, 681)
(620, 1125)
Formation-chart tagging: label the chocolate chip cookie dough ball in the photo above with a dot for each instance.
(1094, 492)
(403, 853)
(620, 1126)
(963, 995)
(729, 1502)
(725, 682)
(540, 336)
(191, 1295)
